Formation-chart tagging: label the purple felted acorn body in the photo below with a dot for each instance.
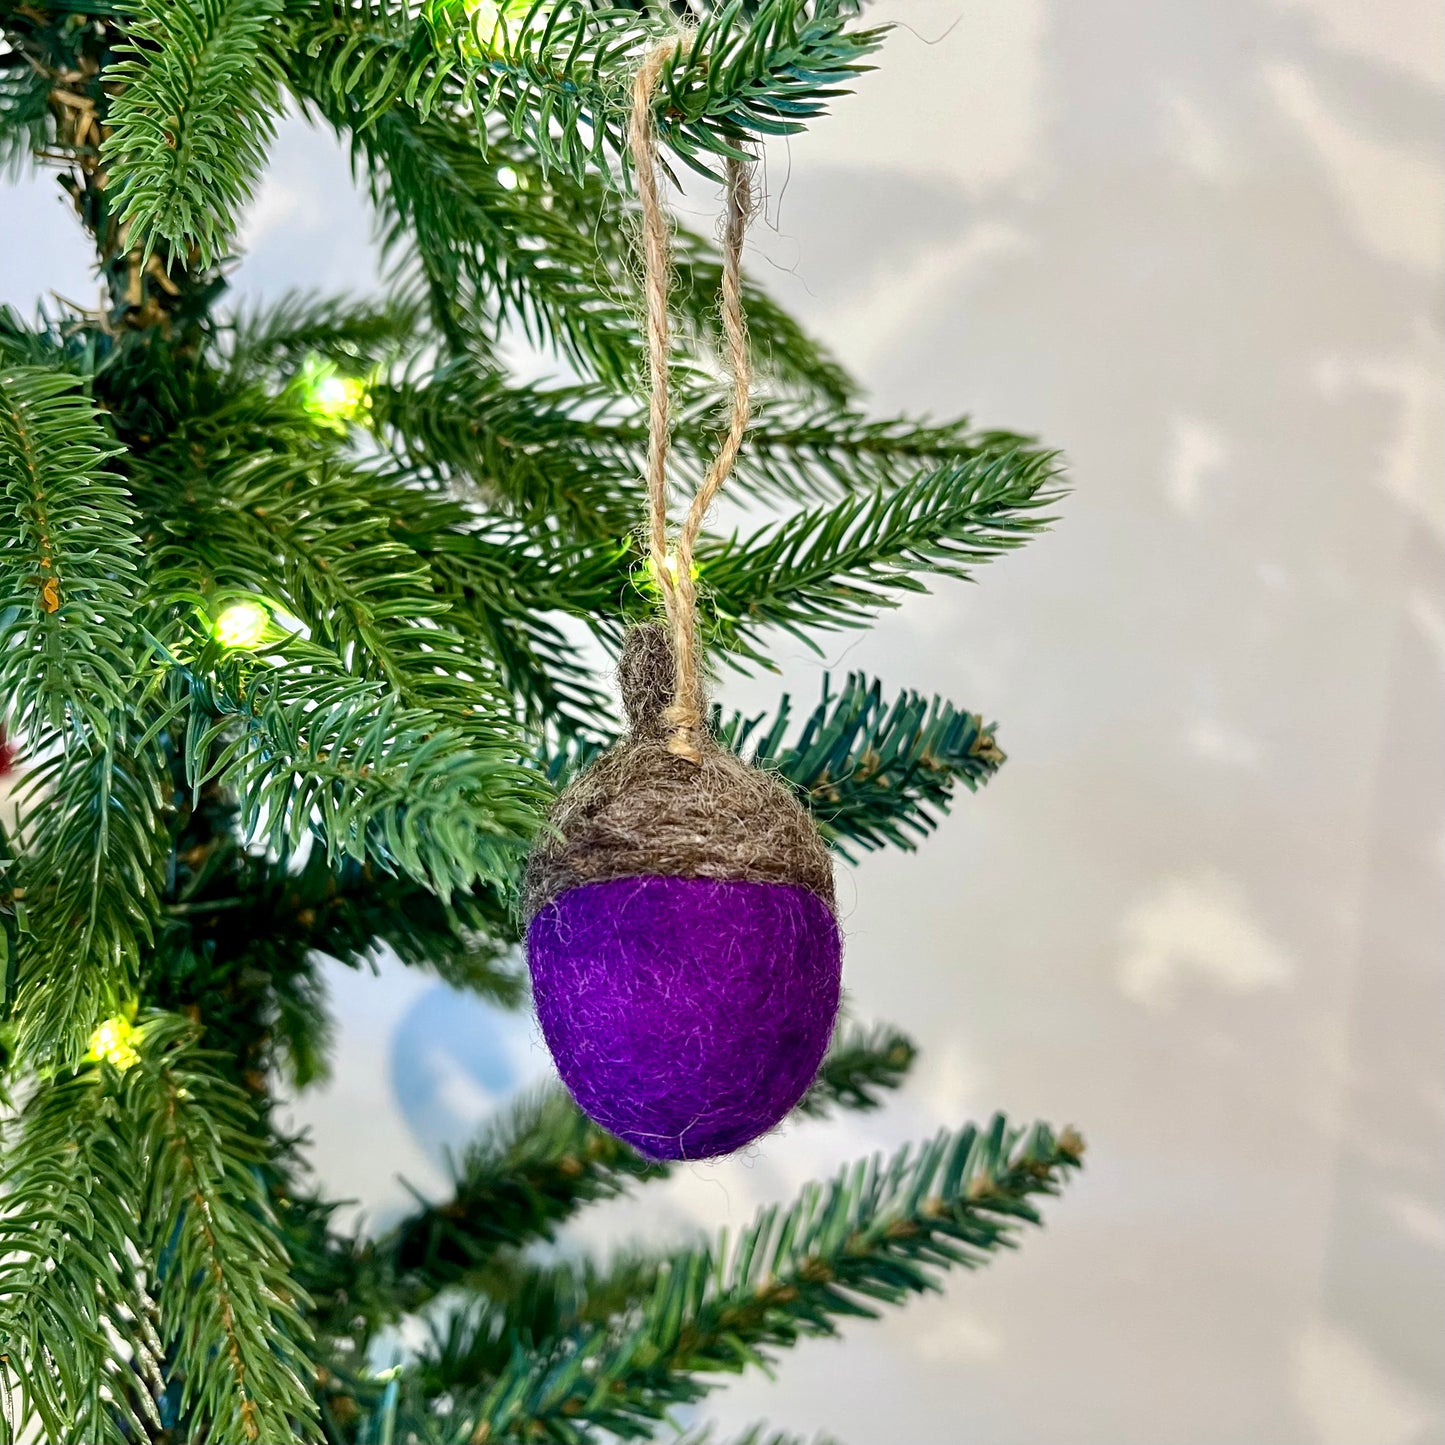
(681, 935)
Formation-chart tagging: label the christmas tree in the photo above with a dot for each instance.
(308, 610)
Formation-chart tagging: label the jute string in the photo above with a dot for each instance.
(674, 573)
(668, 801)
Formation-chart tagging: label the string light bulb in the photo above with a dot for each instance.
(495, 27)
(339, 395)
(649, 568)
(241, 625)
(336, 398)
(330, 397)
(113, 1043)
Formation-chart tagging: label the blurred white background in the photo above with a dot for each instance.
(1199, 247)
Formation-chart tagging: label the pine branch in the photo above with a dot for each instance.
(39, 345)
(803, 450)
(560, 71)
(86, 883)
(350, 912)
(24, 113)
(229, 1310)
(565, 455)
(873, 774)
(68, 562)
(386, 732)
(571, 455)
(309, 749)
(544, 1160)
(191, 119)
(243, 936)
(519, 1298)
(369, 564)
(277, 338)
(860, 1064)
(317, 538)
(500, 586)
(68, 1283)
(742, 72)
(147, 1165)
(876, 1234)
(366, 56)
(785, 357)
(832, 567)
(532, 1169)
(489, 248)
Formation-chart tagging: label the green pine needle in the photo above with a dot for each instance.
(276, 339)
(560, 71)
(543, 1160)
(67, 1227)
(310, 749)
(833, 567)
(875, 1234)
(533, 1168)
(87, 882)
(69, 558)
(24, 118)
(228, 1308)
(860, 1066)
(133, 1212)
(191, 120)
(874, 774)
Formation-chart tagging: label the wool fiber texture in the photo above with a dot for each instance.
(641, 810)
(686, 1015)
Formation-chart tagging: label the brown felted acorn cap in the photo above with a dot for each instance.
(642, 811)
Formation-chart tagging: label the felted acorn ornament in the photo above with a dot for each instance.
(681, 935)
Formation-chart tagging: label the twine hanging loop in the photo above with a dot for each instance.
(673, 570)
